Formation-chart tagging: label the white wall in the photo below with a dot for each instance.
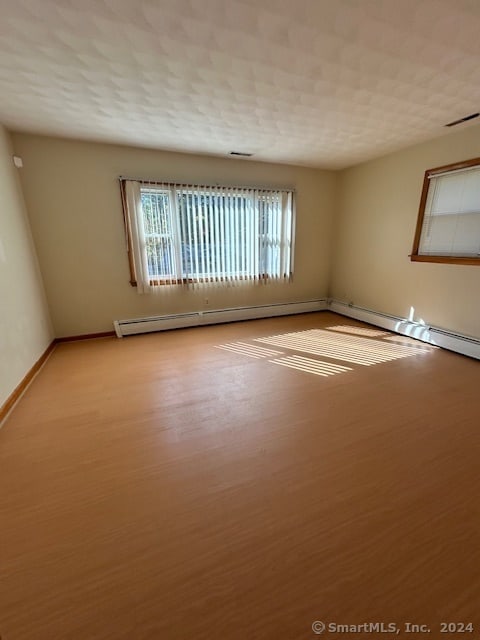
(25, 330)
(376, 216)
(73, 199)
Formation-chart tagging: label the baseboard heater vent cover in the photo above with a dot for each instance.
(466, 345)
(217, 316)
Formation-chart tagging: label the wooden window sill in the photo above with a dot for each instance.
(446, 259)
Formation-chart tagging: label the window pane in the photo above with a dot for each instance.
(451, 224)
(448, 192)
(159, 257)
(157, 223)
(156, 212)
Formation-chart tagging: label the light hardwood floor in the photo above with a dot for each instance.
(160, 487)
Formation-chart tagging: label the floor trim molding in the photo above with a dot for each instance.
(86, 336)
(20, 389)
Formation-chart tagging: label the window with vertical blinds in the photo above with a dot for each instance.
(448, 228)
(182, 234)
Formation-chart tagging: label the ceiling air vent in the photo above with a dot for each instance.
(241, 153)
(470, 117)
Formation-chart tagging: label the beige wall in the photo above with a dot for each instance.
(72, 196)
(375, 223)
(73, 200)
(25, 330)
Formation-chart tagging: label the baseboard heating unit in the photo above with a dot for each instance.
(466, 345)
(217, 316)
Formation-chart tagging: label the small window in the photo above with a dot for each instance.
(448, 226)
(181, 234)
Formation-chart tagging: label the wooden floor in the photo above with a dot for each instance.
(160, 487)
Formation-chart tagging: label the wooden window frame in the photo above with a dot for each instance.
(415, 256)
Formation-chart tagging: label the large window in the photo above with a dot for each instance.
(448, 227)
(181, 234)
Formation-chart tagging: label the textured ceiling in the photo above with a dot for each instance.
(326, 83)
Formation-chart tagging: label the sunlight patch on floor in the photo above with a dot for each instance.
(357, 350)
(250, 350)
(359, 331)
(308, 365)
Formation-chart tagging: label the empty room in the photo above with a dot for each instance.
(240, 319)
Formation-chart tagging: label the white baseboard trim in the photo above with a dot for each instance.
(465, 345)
(175, 321)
